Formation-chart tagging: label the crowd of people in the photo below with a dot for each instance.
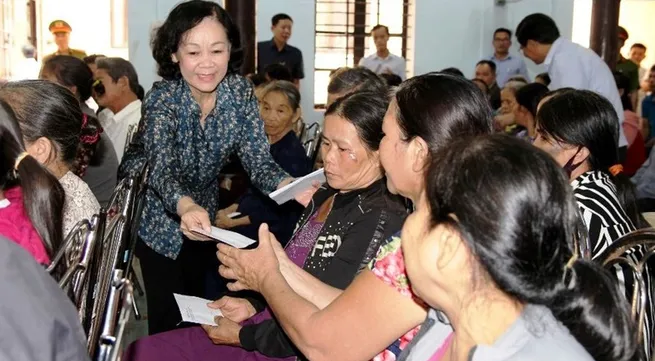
(449, 226)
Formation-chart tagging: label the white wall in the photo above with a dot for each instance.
(303, 14)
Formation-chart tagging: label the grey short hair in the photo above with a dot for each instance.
(288, 89)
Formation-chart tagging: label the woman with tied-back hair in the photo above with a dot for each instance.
(348, 80)
(578, 129)
(508, 284)
(377, 315)
(53, 126)
(100, 164)
(31, 199)
(525, 110)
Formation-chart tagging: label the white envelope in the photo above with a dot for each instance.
(232, 238)
(298, 186)
(195, 310)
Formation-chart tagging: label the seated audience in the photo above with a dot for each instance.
(121, 88)
(100, 175)
(338, 234)
(38, 320)
(52, 123)
(31, 199)
(507, 284)
(525, 110)
(518, 78)
(542, 78)
(280, 109)
(373, 315)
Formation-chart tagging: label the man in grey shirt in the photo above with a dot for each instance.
(37, 321)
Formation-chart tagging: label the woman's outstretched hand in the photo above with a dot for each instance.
(249, 268)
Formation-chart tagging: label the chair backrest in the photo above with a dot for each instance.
(119, 308)
(633, 252)
(131, 130)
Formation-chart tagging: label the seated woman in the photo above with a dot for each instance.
(339, 232)
(31, 199)
(99, 156)
(525, 110)
(280, 108)
(52, 124)
(578, 129)
(377, 315)
(505, 117)
(507, 284)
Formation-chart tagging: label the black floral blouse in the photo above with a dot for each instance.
(185, 159)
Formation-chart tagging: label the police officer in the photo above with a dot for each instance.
(61, 32)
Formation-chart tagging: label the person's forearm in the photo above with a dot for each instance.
(308, 286)
(242, 221)
(183, 204)
(295, 315)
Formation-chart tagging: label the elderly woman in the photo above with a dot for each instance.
(377, 315)
(338, 234)
(200, 113)
(280, 109)
(507, 284)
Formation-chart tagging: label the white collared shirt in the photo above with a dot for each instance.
(393, 63)
(117, 126)
(574, 66)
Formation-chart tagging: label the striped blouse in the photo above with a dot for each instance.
(600, 210)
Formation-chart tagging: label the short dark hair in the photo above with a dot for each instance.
(530, 95)
(91, 59)
(71, 71)
(183, 18)
(545, 77)
(639, 46)
(480, 81)
(277, 71)
(117, 68)
(452, 71)
(391, 79)
(526, 247)
(380, 26)
(489, 63)
(279, 17)
(257, 79)
(538, 27)
(348, 80)
(364, 110)
(503, 30)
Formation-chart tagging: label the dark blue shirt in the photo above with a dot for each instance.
(185, 159)
(289, 56)
(289, 153)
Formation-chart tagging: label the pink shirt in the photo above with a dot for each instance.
(16, 225)
(442, 350)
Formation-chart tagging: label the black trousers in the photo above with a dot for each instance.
(163, 276)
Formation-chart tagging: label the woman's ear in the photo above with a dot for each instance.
(582, 155)
(297, 115)
(418, 149)
(41, 150)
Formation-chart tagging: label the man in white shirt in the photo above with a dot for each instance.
(382, 61)
(28, 67)
(569, 64)
(117, 91)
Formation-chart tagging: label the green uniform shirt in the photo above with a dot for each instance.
(629, 69)
(80, 54)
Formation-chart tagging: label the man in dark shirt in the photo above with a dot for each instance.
(277, 50)
(486, 70)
